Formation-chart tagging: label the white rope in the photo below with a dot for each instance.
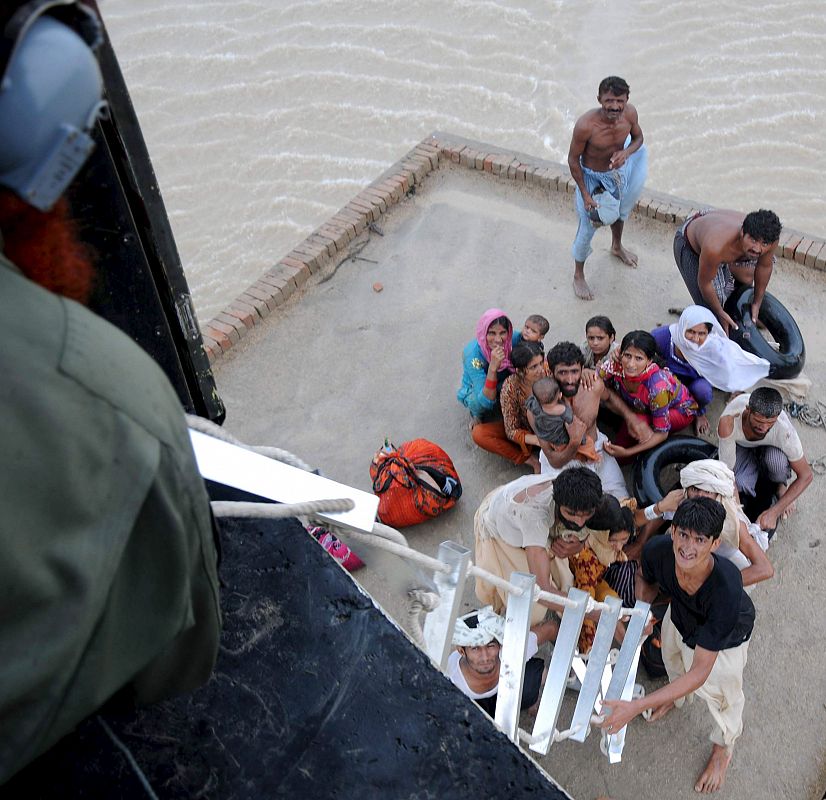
(556, 736)
(401, 550)
(418, 601)
(139, 774)
(386, 532)
(246, 510)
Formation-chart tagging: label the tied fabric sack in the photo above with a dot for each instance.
(415, 482)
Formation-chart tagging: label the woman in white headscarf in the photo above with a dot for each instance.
(699, 353)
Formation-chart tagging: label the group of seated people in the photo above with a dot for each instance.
(573, 521)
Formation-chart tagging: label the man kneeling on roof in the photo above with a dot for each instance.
(474, 665)
(705, 632)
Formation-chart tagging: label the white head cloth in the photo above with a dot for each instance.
(723, 363)
(709, 475)
(490, 626)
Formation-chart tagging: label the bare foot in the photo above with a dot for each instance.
(658, 712)
(701, 425)
(626, 256)
(714, 775)
(533, 462)
(581, 288)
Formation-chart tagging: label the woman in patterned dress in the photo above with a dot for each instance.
(651, 391)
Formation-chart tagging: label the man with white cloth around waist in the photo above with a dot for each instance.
(609, 164)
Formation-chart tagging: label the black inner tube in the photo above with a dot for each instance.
(648, 469)
(789, 361)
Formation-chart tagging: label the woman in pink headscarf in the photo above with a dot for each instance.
(486, 364)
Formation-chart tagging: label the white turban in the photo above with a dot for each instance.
(708, 475)
(489, 626)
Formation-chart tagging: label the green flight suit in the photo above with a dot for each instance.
(107, 562)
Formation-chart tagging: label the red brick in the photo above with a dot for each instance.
(367, 210)
(219, 337)
(426, 146)
(323, 246)
(487, 164)
(330, 242)
(256, 302)
(242, 305)
(346, 224)
(431, 156)
(811, 253)
(522, 172)
(312, 247)
(295, 273)
(500, 164)
(235, 321)
(788, 247)
(801, 250)
(247, 318)
(664, 213)
(394, 186)
(416, 168)
(211, 347)
(380, 196)
(279, 288)
(479, 161)
(339, 234)
(399, 185)
(228, 330)
(266, 293)
(356, 218)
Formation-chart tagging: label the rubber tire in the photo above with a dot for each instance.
(789, 362)
(676, 450)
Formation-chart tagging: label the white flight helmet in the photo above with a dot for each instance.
(51, 93)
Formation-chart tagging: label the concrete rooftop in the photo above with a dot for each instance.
(339, 366)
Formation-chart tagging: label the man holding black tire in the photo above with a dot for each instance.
(716, 250)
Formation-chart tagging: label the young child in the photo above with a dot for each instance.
(550, 416)
(602, 568)
(600, 341)
(534, 330)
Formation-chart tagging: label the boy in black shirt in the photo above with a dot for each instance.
(705, 631)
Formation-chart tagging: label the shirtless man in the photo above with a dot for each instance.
(606, 157)
(565, 362)
(717, 249)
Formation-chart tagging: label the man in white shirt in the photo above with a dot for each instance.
(474, 665)
(759, 442)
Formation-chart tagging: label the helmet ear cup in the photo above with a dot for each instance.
(50, 98)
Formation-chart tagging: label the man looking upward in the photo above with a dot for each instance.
(705, 632)
(609, 164)
(716, 250)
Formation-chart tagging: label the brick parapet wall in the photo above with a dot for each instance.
(329, 243)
